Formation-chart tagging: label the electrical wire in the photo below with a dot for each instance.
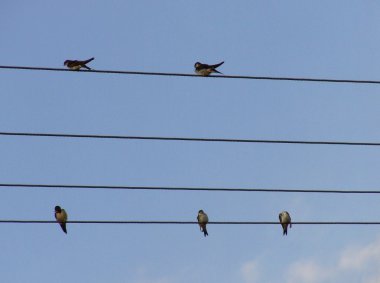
(121, 137)
(50, 186)
(193, 222)
(322, 80)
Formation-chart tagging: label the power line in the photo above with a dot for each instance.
(151, 188)
(193, 222)
(193, 75)
(158, 138)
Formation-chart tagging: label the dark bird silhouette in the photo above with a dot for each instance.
(61, 217)
(76, 64)
(202, 221)
(205, 70)
(285, 220)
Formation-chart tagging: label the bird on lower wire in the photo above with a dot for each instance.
(202, 221)
(285, 220)
(77, 64)
(61, 217)
(205, 70)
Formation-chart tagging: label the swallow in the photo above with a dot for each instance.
(76, 64)
(285, 220)
(202, 221)
(205, 70)
(61, 217)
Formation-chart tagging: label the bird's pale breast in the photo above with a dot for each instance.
(61, 217)
(203, 218)
(204, 72)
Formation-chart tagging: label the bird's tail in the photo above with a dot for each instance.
(285, 228)
(205, 231)
(217, 65)
(84, 66)
(88, 61)
(63, 226)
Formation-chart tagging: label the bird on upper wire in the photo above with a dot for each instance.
(202, 221)
(61, 217)
(77, 64)
(285, 221)
(205, 70)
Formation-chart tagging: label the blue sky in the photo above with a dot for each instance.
(327, 39)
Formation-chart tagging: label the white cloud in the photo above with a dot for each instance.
(361, 257)
(250, 272)
(307, 271)
(363, 260)
(374, 279)
(360, 264)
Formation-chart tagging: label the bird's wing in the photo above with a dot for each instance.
(203, 66)
(216, 71)
(64, 215)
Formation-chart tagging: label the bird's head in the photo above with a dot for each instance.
(66, 62)
(201, 212)
(58, 209)
(197, 65)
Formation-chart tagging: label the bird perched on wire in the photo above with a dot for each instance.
(285, 220)
(202, 221)
(61, 217)
(76, 64)
(205, 70)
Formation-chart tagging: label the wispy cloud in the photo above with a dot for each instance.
(250, 272)
(364, 260)
(361, 257)
(353, 264)
(307, 271)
